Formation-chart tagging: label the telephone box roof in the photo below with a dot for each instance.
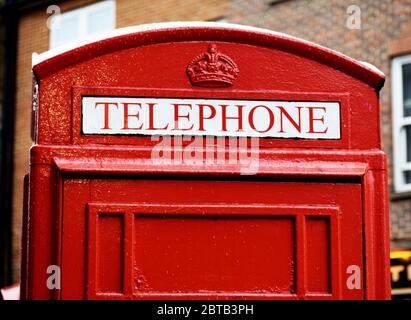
(56, 59)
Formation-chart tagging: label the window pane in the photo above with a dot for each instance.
(408, 144)
(407, 177)
(86, 21)
(406, 85)
(66, 31)
(101, 20)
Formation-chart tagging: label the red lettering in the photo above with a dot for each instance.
(312, 119)
(224, 117)
(106, 112)
(251, 118)
(151, 118)
(294, 123)
(177, 116)
(201, 115)
(127, 115)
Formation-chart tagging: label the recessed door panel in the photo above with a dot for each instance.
(175, 239)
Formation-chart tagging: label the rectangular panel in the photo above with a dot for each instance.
(318, 262)
(109, 253)
(236, 118)
(214, 254)
(247, 243)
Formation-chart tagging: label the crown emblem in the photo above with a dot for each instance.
(212, 69)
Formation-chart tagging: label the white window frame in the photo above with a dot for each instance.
(83, 13)
(400, 163)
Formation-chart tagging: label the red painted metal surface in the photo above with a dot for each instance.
(245, 243)
(120, 226)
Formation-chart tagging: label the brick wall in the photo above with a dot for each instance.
(147, 11)
(33, 36)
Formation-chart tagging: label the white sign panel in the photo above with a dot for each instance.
(214, 117)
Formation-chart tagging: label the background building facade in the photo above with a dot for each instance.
(375, 31)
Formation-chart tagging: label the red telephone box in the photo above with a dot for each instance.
(205, 160)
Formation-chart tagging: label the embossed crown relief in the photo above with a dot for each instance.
(212, 69)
